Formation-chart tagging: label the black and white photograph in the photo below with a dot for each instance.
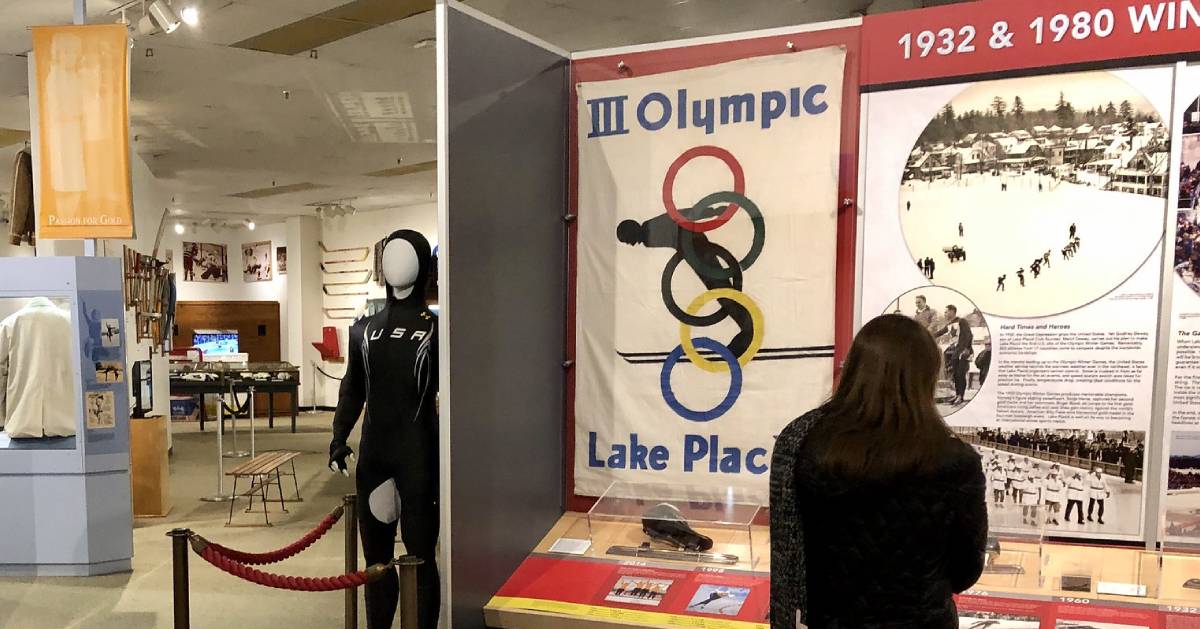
(1037, 195)
(205, 262)
(100, 408)
(992, 620)
(1062, 481)
(1064, 623)
(639, 591)
(281, 260)
(1183, 485)
(110, 333)
(962, 335)
(721, 600)
(110, 371)
(256, 261)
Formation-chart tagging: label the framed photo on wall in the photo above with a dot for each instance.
(256, 261)
(281, 260)
(205, 262)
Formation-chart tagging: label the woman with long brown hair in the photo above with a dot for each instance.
(878, 512)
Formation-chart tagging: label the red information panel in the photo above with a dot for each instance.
(706, 598)
(632, 592)
(996, 36)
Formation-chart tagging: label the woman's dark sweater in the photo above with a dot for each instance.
(891, 553)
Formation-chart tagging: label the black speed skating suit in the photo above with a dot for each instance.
(392, 370)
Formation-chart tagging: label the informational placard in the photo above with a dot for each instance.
(978, 38)
(707, 208)
(1181, 503)
(1021, 221)
(82, 95)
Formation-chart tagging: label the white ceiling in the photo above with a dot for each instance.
(210, 120)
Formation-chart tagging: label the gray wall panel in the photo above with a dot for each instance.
(507, 149)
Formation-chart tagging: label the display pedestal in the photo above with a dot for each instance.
(67, 501)
(151, 474)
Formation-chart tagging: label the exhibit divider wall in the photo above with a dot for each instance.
(502, 102)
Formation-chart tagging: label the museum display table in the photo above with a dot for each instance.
(596, 590)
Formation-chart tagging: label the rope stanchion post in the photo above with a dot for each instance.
(179, 567)
(349, 503)
(408, 591)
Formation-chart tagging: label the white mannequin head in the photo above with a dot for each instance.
(400, 267)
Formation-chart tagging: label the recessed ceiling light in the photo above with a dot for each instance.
(250, 225)
(178, 228)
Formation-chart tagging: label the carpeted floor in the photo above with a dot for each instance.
(142, 599)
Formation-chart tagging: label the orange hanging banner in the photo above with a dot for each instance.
(83, 131)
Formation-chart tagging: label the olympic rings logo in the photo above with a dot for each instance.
(724, 284)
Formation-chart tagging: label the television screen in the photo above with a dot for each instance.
(216, 342)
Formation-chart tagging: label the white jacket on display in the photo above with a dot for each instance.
(37, 392)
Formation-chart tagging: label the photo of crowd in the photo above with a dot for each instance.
(962, 336)
(1047, 163)
(1183, 485)
(1072, 480)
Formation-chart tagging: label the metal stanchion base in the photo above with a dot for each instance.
(238, 454)
(219, 498)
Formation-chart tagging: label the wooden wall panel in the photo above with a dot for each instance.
(249, 318)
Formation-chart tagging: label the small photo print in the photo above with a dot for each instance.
(101, 410)
(281, 260)
(991, 620)
(1087, 624)
(721, 600)
(1061, 481)
(256, 261)
(109, 371)
(1183, 486)
(639, 591)
(110, 332)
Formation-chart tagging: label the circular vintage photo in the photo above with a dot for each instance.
(1037, 195)
(962, 335)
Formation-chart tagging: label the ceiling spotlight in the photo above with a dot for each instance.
(250, 225)
(178, 228)
(190, 15)
(159, 16)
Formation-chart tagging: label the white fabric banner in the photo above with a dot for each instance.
(707, 233)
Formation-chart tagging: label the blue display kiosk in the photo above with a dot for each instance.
(67, 509)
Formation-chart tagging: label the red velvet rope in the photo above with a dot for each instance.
(284, 582)
(291, 550)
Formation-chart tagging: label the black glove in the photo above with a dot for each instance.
(339, 453)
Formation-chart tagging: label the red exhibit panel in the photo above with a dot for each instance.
(686, 57)
(635, 591)
(998, 36)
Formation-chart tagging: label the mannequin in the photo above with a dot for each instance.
(392, 370)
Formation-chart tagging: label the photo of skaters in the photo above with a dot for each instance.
(1062, 480)
(992, 620)
(721, 600)
(962, 335)
(639, 591)
(1012, 175)
(1183, 486)
(1187, 249)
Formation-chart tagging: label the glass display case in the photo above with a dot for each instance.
(698, 525)
(1013, 556)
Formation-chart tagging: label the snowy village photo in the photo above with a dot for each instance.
(1037, 195)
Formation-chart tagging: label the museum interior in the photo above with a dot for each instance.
(353, 325)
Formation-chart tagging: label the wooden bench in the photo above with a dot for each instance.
(263, 471)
